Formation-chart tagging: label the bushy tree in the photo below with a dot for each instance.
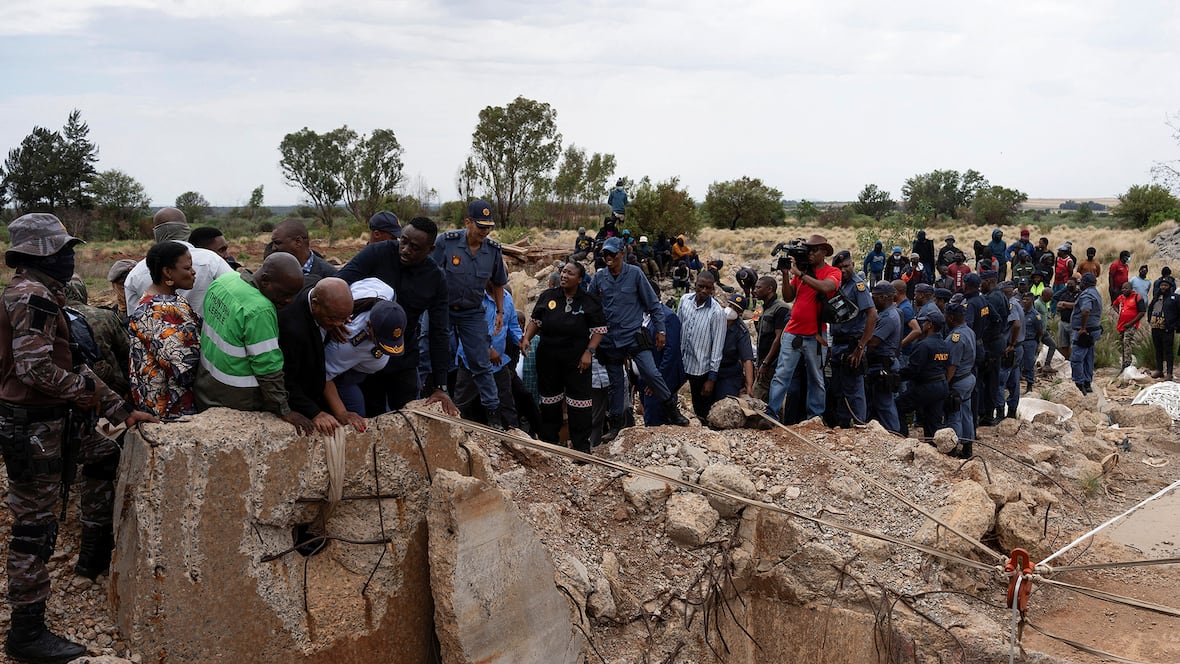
(1143, 200)
(581, 180)
(806, 210)
(193, 205)
(942, 192)
(599, 169)
(662, 207)
(997, 205)
(514, 148)
(743, 202)
(50, 169)
(873, 202)
(571, 175)
(120, 200)
(372, 170)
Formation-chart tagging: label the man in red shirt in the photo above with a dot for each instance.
(1131, 310)
(958, 270)
(809, 286)
(1118, 274)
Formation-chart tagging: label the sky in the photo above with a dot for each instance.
(815, 97)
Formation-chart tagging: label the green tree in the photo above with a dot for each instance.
(120, 200)
(570, 181)
(31, 171)
(314, 163)
(873, 202)
(806, 210)
(193, 205)
(255, 208)
(997, 205)
(663, 206)
(372, 170)
(1143, 200)
(514, 148)
(1085, 212)
(743, 202)
(942, 192)
(79, 157)
(467, 179)
(599, 169)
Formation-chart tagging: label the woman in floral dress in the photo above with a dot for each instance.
(165, 335)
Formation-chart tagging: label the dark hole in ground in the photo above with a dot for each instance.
(306, 542)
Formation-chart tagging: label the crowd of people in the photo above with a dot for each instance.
(914, 338)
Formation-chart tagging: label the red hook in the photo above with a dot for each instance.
(1019, 564)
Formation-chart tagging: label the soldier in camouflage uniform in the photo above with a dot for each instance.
(97, 454)
(39, 386)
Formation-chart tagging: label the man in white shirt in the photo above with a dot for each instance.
(170, 224)
(702, 337)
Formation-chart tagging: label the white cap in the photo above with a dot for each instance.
(643, 238)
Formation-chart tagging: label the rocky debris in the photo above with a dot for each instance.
(728, 413)
(648, 494)
(945, 440)
(1146, 416)
(969, 509)
(690, 519)
(731, 479)
(847, 488)
(492, 580)
(1018, 527)
(1067, 394)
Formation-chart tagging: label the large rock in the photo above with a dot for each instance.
(646, 493)
(1018, 527)
(690, 519)
(728, 413)
(492, 580)
(1068, 394)
(731, 479)
(1145, 416)
(207, 515)
(969, 509)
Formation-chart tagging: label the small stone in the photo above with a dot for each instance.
(731, 479)
(945, 440)
(847, 488)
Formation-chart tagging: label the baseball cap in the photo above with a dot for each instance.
(884, 288)
(914, 254)
(38, 234)
(897, 250)
(934, 317)
(949, 237)
(389, 326)
(1007, 283)
(642, 239)
(923, 288)
(480, 211)
(119, 270)
(613, 245)
(738, 301)
(387, 222)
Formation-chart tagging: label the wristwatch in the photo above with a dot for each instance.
(591, 350)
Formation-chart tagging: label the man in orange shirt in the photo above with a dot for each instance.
(1131, 308)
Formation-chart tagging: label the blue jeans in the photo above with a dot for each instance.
(788, 359)
(1081, 360)
(472, 327)
(644, 364)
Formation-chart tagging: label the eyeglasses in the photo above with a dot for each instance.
(609, 254)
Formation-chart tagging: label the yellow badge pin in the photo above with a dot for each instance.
(552, 304)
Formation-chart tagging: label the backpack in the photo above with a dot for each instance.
(83, 348)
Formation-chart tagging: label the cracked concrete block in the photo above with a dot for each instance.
(495, 600)
(690, 519)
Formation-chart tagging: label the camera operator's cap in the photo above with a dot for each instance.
(942, 294)
(38, 234)
(989, 274)
(1088, 279)
(973, 279)
(949, 238)
(924, 288)
(934, 317)
(387, 222)
(119, 270)
(389, 326)
(480, 211)
(884, 288)
(737, 300)
(613, 245)
(820, 241)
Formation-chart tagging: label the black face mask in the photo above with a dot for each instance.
(60, 266)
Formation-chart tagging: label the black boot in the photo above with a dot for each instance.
(672, 412)
(494, 420)
(29, 641)
(614, 424)
(94, 555)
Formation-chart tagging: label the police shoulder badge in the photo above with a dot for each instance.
(955, 337)
(860, 286)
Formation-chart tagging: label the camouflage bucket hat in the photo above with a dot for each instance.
(38, 234)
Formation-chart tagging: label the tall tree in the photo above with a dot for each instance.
(466, 179)
(32, 177)
(193, 205)
(942, 192)
(514, 148)
(372, 170)
(599, 169)
(745, 202)
(873, 202)
(569, 183)
(120, 200)
(313, 162)
(662, 207)
(79, 157)
(997, 205)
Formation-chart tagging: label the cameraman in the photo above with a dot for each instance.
(849, 341)
(805, 284)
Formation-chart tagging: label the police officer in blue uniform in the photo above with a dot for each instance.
(963, 348)
(1086, 327)
(926, 376)
(470, 260)
(1013, 358)
(884, 346)
(849, 341)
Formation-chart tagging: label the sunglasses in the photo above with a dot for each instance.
(609, 254)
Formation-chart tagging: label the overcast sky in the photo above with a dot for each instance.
(818, 97)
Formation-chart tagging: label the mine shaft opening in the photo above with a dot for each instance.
(306, 541)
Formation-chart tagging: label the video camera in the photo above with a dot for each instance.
(794, 250)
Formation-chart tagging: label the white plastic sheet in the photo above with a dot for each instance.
(1165, 394)
(1028, 408)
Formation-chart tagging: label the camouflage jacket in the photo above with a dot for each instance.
(39, 369)
(110, 333)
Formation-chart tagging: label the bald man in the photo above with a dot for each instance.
(291, 237)
(241, 362)
(303, 329)
(170, 224)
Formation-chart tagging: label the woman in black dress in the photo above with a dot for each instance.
(570, 323)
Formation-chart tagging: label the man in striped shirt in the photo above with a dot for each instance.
(702, 324)
(241, 363)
